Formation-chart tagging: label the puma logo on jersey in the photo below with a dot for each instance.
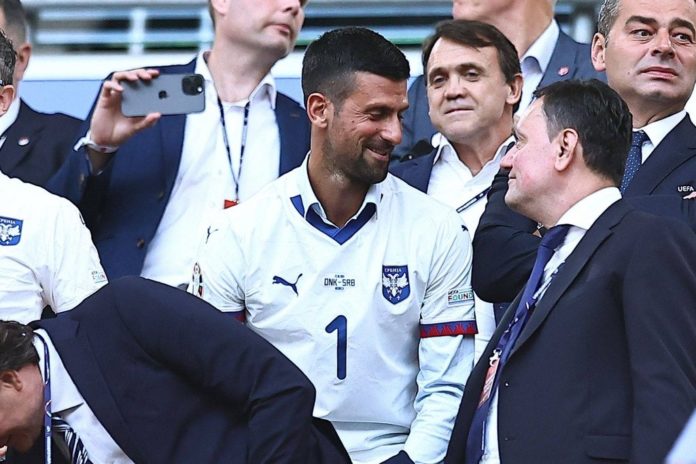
(209, 232)
(293, 286)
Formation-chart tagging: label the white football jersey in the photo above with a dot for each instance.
(46, 253)
(378, 314)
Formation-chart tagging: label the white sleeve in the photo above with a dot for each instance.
(72, 270)
(218, 271)
(446, 350)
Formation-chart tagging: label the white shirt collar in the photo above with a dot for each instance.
(265, 89)
(67, 396)
(446, 151)
(7, 119)
(542, 48)
(585, 212)
(310, 200)
(658, 130)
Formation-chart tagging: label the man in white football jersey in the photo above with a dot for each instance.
(362, 281)
(46, 253)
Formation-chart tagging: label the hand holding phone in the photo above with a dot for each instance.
(166, 94)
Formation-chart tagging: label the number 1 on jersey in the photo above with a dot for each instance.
(340, 324)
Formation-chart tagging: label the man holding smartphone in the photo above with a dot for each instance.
(152, 183)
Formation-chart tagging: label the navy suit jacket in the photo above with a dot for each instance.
(172, 379)
(124, 204)
(416, 172)
(567, 54)
(505, 249)
(605, 369)
(37, 144)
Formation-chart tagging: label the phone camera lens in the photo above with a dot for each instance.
(192, 85)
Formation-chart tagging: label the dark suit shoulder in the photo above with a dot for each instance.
(570, 60)
(416, 171)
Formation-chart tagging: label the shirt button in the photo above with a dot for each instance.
(160, 195)
(140, 243)
(507, 384)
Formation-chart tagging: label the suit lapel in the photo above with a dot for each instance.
(291, 123)
(418, 175)
(675, 149)
(575, 263)
(172, 134)
(21, 136)
(75, 350)
(562, 63)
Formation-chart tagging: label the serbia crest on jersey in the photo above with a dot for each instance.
(10, 231)
(395, 287)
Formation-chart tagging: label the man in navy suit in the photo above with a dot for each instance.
(144, 373)
(547, 54)
(649, 55)
(152, 183)
(596, 359)
(34, 144)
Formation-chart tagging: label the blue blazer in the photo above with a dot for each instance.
(173, 380)
(124, 204)
(416, 172)
(605, 369)
(567, 53)
(37, 144)
(505, 249)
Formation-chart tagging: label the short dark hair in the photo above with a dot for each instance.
(16, 346)
(15, 19)
(331, 61)
(475, 34)
(600, 117)
(8, 57)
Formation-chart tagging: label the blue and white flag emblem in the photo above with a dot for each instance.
(10, 231)
(395, 284)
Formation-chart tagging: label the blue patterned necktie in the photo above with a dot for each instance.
(553, 238)
(634, 159)
(76, 450)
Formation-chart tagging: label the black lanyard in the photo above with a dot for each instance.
(468, 204)
(245, 125)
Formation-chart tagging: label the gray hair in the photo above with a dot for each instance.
(608, 13)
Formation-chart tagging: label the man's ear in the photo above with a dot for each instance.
(599, 44)
(318, 109)
(10, 379)
(515, 90)
(219, 7)
(23, 56)
(7, 94)
(568, 144)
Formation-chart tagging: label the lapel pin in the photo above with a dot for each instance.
(563, 70)
(23, 141)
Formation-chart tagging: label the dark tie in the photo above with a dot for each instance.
(634, 159)
(552, 240)
(76, 450)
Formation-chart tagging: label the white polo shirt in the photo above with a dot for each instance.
(46, 253)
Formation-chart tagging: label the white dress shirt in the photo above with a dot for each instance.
(580, 217)
(68, 403)
(535, 61)
(452, 183)
(205, 178)
(657, 131)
